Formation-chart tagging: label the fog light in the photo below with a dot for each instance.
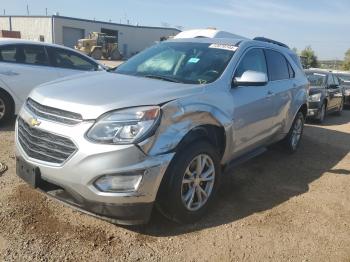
(124, 182)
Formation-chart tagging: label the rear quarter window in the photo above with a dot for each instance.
(277, 66)
(8, 53)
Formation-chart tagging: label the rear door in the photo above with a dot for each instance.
(253, 105)
(68, 62)
(282, 83)
(333, 92)
(337, 92)
(25, 66)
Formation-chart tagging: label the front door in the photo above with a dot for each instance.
(254, 107)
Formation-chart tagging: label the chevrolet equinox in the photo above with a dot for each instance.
(160, 129)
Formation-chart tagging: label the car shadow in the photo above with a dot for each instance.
(8, 126)
(333, 119)
(265, 182)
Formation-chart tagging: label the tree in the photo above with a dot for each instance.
(309, 56)
(346, 64)
(295, 50)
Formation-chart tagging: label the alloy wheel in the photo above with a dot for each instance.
(198, 182)
(2, 108)
(297, 131)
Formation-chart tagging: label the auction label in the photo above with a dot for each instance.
(224, 47)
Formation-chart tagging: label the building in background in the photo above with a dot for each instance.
(67, 30)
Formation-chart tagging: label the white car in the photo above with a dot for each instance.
(27, 64)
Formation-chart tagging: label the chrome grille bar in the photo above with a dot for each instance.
(53, 114)
(44, 146)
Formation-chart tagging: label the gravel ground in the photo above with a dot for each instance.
(275, 207)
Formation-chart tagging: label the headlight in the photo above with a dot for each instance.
(125, 126)
(315, 97)
(347, 92)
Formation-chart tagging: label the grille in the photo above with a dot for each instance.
(42, 145)
(53, 114)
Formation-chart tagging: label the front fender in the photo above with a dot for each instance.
(178, 119)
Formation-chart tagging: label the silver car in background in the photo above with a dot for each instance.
(162, 128)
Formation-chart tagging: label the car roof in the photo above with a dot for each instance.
(231, 41)
(9, 41)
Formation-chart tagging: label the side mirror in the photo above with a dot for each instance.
(251, 78)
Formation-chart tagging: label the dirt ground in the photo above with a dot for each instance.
(275, 207)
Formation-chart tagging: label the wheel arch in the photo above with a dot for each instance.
(184, 124)
(13, 103)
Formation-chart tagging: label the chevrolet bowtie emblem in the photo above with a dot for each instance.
(35, 122)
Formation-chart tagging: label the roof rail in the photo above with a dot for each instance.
(263, 39)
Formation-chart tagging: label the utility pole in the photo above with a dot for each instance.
(46, 11)
(27, 9)
(4, 12)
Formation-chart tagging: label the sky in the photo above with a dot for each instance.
(322, 24)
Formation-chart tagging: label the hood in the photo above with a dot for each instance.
(94, 94)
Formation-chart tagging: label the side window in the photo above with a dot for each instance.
(70, 60)
(33, 54)
(330, 80)
(253, 60)
(291, 71)
(336, 80)
(8, 53)
(277, 65)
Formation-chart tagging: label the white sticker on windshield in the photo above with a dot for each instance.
(224, 47)
(193, 60)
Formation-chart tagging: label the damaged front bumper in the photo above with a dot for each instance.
(73, 182)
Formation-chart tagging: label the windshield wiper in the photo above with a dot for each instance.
(165, 78)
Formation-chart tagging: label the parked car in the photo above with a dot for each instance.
(325, 95)
(161, 128)
(27, 64)
(345, 83)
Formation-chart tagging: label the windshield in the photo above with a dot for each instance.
(191, 63)
(316, 79)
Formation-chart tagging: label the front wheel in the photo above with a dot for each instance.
(6, 108)
(322, 114)
(190, 183)
(97, 54)
(293, 138)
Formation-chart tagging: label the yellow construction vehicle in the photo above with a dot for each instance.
(99, 45)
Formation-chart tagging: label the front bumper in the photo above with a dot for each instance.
(75, 177)
(314, 109)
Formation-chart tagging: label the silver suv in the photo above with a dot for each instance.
(161, 128)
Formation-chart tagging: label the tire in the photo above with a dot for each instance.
(292, 140)
(179, 199)
(115, 55)
(6, 107)
(96, 54)
(322, 115)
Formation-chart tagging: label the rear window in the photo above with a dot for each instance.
(277, 65)
(8, 53)
(24, 54)
(296, 59)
